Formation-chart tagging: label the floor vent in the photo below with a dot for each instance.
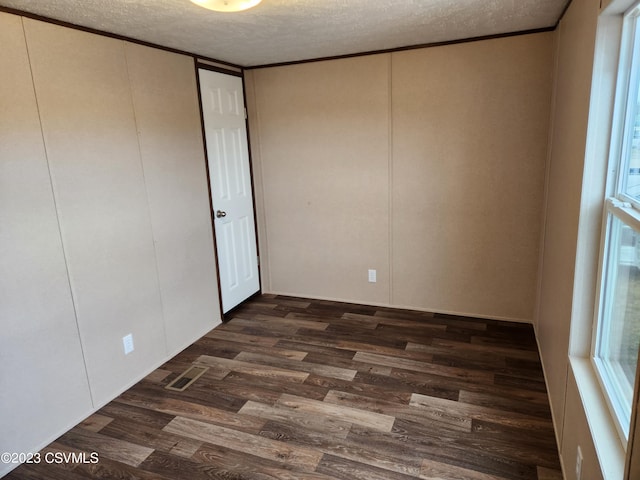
(181, 383)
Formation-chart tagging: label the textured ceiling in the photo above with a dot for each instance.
(288, 30)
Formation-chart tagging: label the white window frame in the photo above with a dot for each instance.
(621, 206)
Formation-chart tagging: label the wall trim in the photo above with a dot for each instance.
(408, 47)
(239, 68)
(104, 33)
(215, 68)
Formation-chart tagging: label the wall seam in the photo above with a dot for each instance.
(547, 179)
(260, 162)
(390, 175)
(146, 192)
(559, 429)
(56, 208)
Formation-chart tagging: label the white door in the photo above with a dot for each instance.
(231, 194)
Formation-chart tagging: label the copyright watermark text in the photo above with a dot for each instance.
(49, 457)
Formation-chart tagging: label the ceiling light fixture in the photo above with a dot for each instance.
(227, 5)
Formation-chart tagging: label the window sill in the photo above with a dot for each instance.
(609, 447)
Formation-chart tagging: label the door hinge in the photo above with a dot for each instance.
(258, 259)
(246, 114)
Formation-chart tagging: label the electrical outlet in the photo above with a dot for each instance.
(127, 343)
(372, 276)
(579, 463)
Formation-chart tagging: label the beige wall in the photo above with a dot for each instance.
(408, 163)
(106, 224)
(82, 88)
(563, 297)
(426, 165)
(470, 126)
(320, 148)
(166, 106)
(577, 434)
(40, 352)
(576, 37)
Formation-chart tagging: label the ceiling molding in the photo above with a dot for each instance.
(409, 47)
(105, 33)
(280, 32)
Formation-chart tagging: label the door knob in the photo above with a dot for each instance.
(220, 214)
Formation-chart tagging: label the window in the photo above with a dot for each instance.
(617, 325)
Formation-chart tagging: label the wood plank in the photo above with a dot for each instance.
(216, 347)
(244, 466)
(109, 447)
(425, 367)
(460, 449)
(503, 342)
(357, 449)
(164, 465)
(392, 361)
(536, 384)
(245, 442)
(397, 387)
(306, 390)
(95, 422)
(489, 359)
(194, 411)
(138, 433)
(509, 352)
(420, 334)
(254, 369)
(304, 315)
(36, 472)
(108, 469)
(295, 323)
(429, 380)
(200, 393)
(371, 420)
(419, 323)
(240, 324)
(157, 376)
(526, 404)
(481, 413)
(57, 448)
(302, 419)
(347, 333)
(308, 367)
(432, 470)
(549, 474)
(358, 320)
(418, 355)
(438, 417)
(345, 469)
(310, 348)
(496, 435)
(264, 390)
(392, 313)
(242, 338)
(119, 409)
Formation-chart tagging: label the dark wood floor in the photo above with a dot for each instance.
(305, 389)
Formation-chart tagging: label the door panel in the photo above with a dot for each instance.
(231, 192)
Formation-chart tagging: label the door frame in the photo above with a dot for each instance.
(204, 66)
